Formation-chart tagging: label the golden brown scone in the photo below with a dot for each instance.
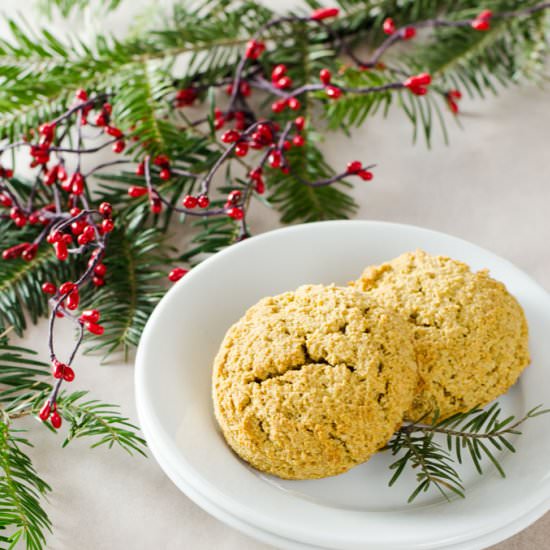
(471, 334)
(310, 383)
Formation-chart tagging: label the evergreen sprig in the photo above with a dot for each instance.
(21, 490)
(24, 384)
(432, 450)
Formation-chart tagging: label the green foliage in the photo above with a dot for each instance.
(102, 421)
(65, 7)
(213, 235)
(137, 262)
(20, 375)
(24, 386)
(296, 200)
(21, 489)
(477, 435)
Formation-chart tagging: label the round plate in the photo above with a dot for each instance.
(357, 509)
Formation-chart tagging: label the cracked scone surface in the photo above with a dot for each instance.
(471, 335)
(307, 384)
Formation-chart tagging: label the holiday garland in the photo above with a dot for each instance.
(268, 85)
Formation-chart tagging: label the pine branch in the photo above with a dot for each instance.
(21, 489)
(478, 432)
(91, 418)
(137, 266)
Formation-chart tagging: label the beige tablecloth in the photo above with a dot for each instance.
(490, 186)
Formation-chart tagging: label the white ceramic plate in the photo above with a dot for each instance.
(357, 509)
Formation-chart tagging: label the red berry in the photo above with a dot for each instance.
(77, 227)
(61, 250)
(91, 315)
(155, 205)
(230, 136)
(57, 369)
(189, 201)
(5, 201)
(275, 158)
(100, 119)
(236, 213)
(419, 90)
(299, 122)
(453, 106)
(61, 173)
(485, 14)
(333, 92)
(279, 105)
(136, 191)
(140, 169)
(29, 252)
(324, 13)
(234, 197)
(417, 81)
(176, 274)
(260, 186)
(47, 130)
(353, 167)
(68, 374)
(241, 149)
(481, 24)
(255, 174)
(119, 146)
(55, 419)
(105, 209)
(113, 131)
(245, 89)
(48, 288)
(74, 211)
(76, 184)
(161, 160)
(81, 94)
(278, 71)
(108, 108)
(365, 175)
(98, 281)
(286, 145)
(325, 76)
(254, 49)
(455, 94)
(94, 328)
(185, 97)
(165, 174)
(408, 32)
(107, 225)
(20, 221)
(73, 300)
(67, 239)
(294, 104)
(203, 201)
(298, 140)
(67, 287)
(388, 26)
(44, 413)
(283, 82)
(100, 269)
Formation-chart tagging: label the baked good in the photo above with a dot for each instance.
(471, 335)
(307, 384)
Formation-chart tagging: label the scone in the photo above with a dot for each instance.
(471, 334)
(310, 383)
